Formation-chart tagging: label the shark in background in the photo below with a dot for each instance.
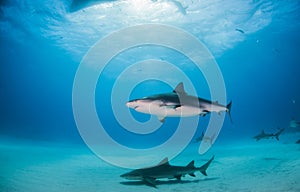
(264, 135)
(294, 123)
(165, 170)
(177, 104)
(200, 138)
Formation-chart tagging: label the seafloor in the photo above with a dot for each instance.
(267, 165)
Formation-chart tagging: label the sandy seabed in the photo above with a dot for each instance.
(267, 165)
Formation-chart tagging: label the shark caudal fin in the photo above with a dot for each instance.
(278, 133)
(204, 167)
(229, 110)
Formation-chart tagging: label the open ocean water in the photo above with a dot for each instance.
(69, 67)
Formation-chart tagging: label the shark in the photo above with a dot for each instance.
(294, 123)
(164, 170)
(264, 135)
(200, 138)
(177, 104)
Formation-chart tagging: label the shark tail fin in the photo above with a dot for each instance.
(204, 167)
(278, 133)
(229, 110)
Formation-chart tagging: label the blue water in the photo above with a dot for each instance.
(255, 44)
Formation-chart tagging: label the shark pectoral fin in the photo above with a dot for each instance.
(150, 181)
(161, 119)
(192, 174)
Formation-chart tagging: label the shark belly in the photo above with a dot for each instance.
(167, 111)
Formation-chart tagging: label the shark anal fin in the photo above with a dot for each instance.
(150, 181)
(192, 174)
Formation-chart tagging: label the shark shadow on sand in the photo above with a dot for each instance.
(167, 182)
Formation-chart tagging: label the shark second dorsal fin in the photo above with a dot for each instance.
(191, 164)
(164, 161)
(179, 89)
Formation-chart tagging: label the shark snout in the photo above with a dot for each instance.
(132, 104)
(123, 175)
(131, 175)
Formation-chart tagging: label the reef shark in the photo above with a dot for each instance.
(264, 135)
(176, 104)
(165, 170)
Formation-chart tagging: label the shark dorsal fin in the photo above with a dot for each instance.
(191, 164)
(179, 89)
(164, 161)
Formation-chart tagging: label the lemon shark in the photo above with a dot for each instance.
(176, 104)
(165, 170)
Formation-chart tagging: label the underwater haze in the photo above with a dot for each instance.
(48, 144)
